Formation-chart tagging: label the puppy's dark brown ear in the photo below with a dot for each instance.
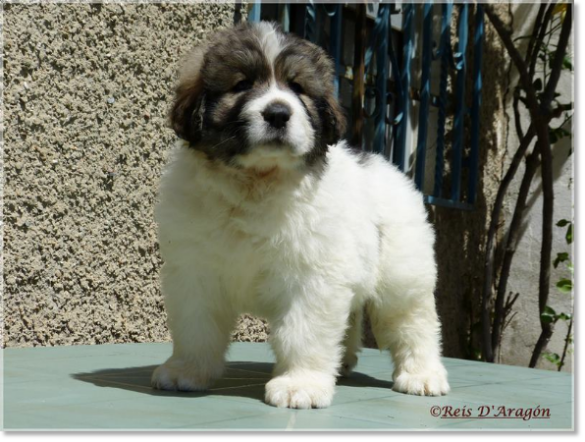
(186, 114)
(335, 123)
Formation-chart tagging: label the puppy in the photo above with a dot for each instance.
(264, 210)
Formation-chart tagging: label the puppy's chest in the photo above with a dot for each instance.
(258, 235)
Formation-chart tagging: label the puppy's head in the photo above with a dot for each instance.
(253, 97)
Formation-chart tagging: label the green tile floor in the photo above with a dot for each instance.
(107, 387)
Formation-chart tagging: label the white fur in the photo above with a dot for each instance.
(303, 251)
(270, 40)
(299, 135)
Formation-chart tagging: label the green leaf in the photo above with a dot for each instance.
(557, 134)
(565, 285)
(537, 85)
(567, 64)
(564, 316)
(569, 235)
(561, 257)
(563, 223)
(552, 357)
(548, 315)
(564, 132)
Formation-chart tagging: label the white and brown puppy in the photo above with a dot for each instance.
(263, 209)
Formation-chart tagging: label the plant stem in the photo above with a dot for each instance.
(547, 188)
(557, 64)
(489, 254)
(532, 164)
(533, 56)
(566, 347)
(540, 114)
(534, 34)
(517, 119)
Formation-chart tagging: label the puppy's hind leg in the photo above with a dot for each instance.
(406, 322)
(352, 342)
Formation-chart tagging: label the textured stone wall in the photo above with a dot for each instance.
(86, 93)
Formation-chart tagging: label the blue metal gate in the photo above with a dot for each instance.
(391, 112)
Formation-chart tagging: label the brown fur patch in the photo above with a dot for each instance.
(183, 116)
(208, 103)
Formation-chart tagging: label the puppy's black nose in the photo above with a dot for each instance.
(277, 115)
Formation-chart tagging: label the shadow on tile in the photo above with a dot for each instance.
(241, 379)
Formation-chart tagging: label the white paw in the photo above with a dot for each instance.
(180, 376)
(300, 391)
(432, 382)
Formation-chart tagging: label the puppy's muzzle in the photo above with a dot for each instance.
(277, 115)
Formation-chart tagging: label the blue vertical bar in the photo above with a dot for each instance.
(476, 103)
(460, 109)
(284, 16)
(404, 102)
(382, 78)
(310, 30)
(395, 66)
(254, 14)
(335, 41)
(419, 177)
(444, 55)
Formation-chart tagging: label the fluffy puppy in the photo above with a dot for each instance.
(263, 209)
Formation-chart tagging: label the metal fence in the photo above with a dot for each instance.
(402, 74)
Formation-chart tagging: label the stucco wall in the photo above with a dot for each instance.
(87, 88)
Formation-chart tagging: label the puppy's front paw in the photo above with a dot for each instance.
(431, 382)
(300, 391)
(180, 376)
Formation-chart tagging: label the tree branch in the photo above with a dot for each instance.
(566, 347)
(557, 63)
(534, 35)
(541, 344)
(533, 56)
(489, 253)
(532, 164)
(506, 37)
(547, 190)
(539, 113)
(517, 120)
(513, 239)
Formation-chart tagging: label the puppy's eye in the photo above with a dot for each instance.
(295, 87)
(244, 85)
